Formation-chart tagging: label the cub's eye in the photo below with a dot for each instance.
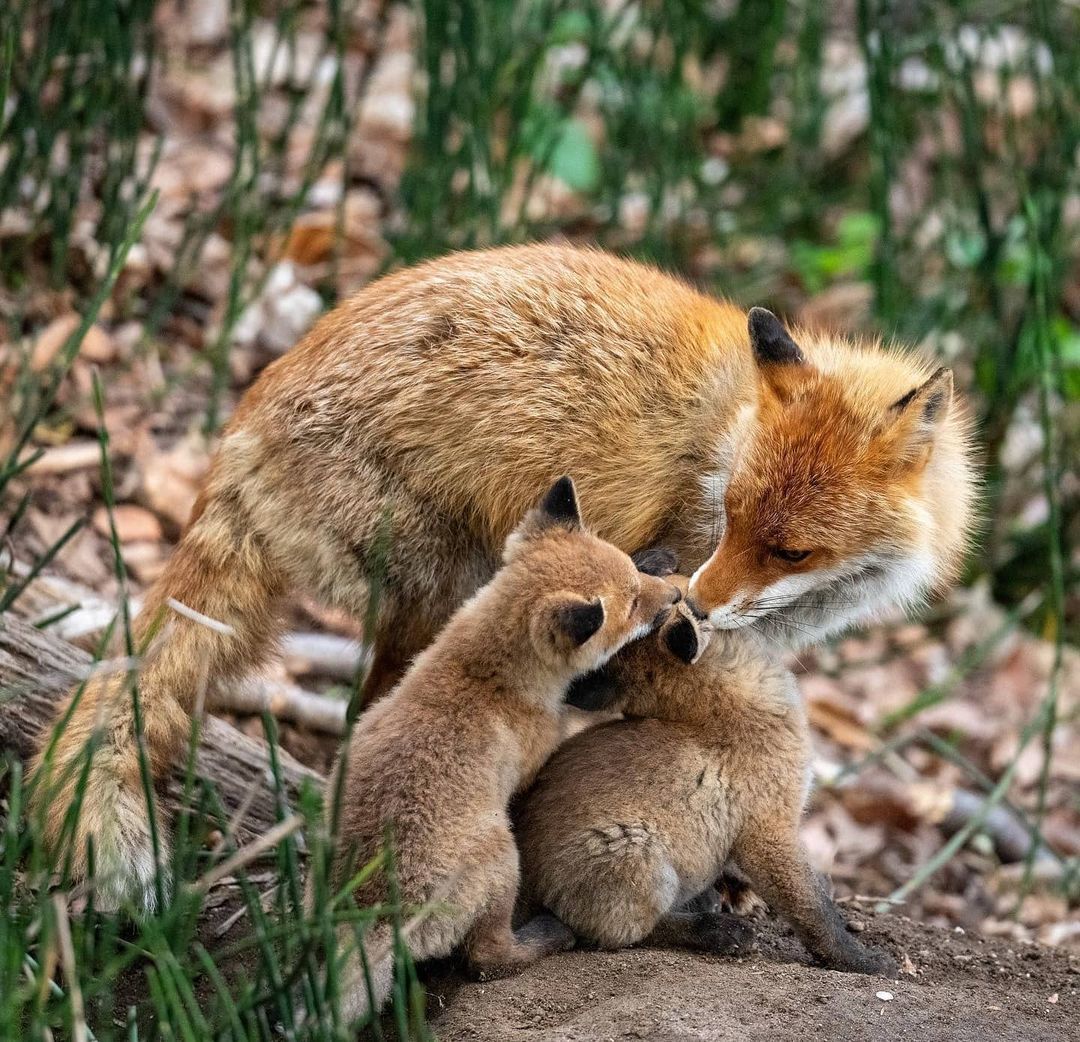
(634, 605)
(791, 556)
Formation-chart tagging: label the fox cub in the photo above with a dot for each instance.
(815, 482)
(471, 723)
(711, 763)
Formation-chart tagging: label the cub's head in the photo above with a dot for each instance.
(624, 682)
(844, 490)
(584, 598)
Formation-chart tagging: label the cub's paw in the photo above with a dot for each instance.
(871, 961)
(737, 896)
(724, 934)
(879, 963)
(656, 560)
(547, 933)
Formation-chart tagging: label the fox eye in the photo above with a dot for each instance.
(634, 604)
(791, 556)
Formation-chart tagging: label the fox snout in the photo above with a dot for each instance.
(714, 594)
(660, 595)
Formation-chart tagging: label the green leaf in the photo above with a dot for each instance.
(573, 159)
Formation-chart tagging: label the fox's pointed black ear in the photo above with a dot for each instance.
(560, 504)
(593, 691)
(558, 509)
(579, 622)
(914, 417)
(682, 639)
(770, 341)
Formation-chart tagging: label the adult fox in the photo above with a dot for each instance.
(813, 480)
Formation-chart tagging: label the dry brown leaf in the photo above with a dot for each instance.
(171, 479)
(134, 524)
(96, 345)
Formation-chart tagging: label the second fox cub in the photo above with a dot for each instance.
(814, 480)
(470, 724)
(712, 764)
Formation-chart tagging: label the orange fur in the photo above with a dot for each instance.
(434, 406)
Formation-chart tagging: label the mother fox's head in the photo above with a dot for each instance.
(850, 489)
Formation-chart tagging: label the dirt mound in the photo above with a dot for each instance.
(964, 987)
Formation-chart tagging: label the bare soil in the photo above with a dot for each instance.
(964, 987)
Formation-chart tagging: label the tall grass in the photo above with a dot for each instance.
(689, 134)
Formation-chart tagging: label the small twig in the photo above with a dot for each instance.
(284, 702)
(62, 459)
(265, 899)
(105, 666)
(325, 653)
(239, 814)
(197, 616)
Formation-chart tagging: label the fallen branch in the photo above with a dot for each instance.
(62, 459)
(283, 702)
(37, 669)
(324, 653)
(48, 595)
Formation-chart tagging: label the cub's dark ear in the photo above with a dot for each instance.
(564, 621)
(560, 504)
(682, 639)
(558, 508)
(578, 622)
(914, 418)
(593, 691)
(657, 560)
(770, 341)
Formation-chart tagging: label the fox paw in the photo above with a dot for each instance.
(547, 933)
(859, 959)
(724, 933)
(738, 897)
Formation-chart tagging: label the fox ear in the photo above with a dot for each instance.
(558, 509)
(915, 417)
(580, 621)
(770, 341)
(568, 620)
(593, 691)
(683, 639)
(560, 504)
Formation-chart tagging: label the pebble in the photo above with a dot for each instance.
(885, 996)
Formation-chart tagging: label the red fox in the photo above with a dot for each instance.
(814, 480)
(470, 724)
(713, 762)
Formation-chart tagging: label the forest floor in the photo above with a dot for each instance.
(959, 986)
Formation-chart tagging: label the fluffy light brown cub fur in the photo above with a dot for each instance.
(470, 724)
(631, 820)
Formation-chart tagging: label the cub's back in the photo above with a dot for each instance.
(646, 772)
(422, 772)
